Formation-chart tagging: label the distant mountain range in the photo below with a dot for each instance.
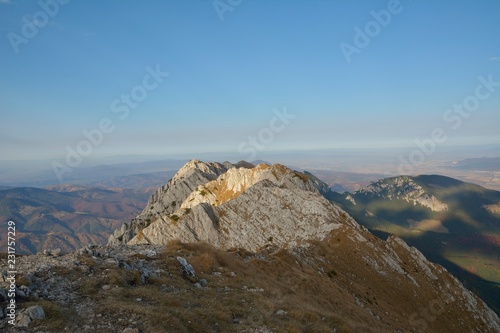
(147, 182)
(482, 164)
(40, 174)
(453, 223)
(273, 209)
(66, 217)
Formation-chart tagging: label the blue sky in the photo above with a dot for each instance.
(227, 76)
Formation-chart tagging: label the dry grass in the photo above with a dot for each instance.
(87, 260)
(245, 290)
(90, 287)
(302, 176)
(21, 280)
(207, 256)
(124, 278)
(221, 191)
(242, 294)
(237, 307)
(326, 287)
(57, 317)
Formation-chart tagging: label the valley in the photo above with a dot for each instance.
(263, 209)
(228, 247)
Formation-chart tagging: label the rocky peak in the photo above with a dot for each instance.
(206, 169)
(403, 188)
(269, 231)
(213, 184)
(241, 207)
(235, 181)
(169, 197)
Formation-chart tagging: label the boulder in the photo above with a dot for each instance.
(26, 316)
(56, 252)
(35, 312)
(187, 269)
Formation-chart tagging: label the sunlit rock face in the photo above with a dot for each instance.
(236, 206)
(403, 188)
(257, 208)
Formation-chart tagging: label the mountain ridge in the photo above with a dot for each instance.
(66, 216)
(210, 207)
(455, 223)
(221, 243)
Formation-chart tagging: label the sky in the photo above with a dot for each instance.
(104, 78)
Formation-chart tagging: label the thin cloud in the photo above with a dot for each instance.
(494, 59)
(5, 2)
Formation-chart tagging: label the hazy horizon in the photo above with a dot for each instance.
(372, 163)
(345, 86)
(166, 78)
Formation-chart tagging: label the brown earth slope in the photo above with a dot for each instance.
(67, 217)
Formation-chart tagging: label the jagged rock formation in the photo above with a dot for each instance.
(168, 197)
(403, 188)
(284, 258)
(349, 282)
(232, 206)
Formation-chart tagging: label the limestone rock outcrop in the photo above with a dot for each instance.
(403, 188)
(167, 198)
(233, 206)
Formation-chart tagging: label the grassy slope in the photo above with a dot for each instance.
(471, 248)
(326, 288)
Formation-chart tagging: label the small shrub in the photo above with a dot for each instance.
(87, 260)
(124, 278)
(222, 212)
(89, 287)
(21, 280)
(56, 317)
(204, 262)
(302, 176)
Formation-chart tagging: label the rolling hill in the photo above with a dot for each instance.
(66, 217)
(453, 223)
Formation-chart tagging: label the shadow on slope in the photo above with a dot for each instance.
(431, 247)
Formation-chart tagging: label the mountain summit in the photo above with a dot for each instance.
(273, 208)
(238, 205)
(241, 248)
